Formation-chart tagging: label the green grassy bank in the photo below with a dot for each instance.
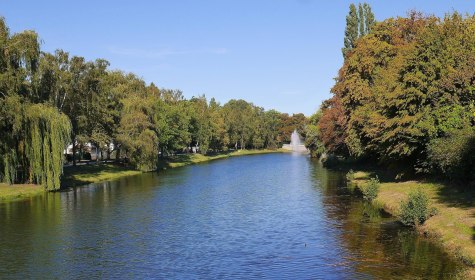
(19, 192)
(454, 224)
(86, 174)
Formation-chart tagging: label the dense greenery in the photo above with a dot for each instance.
(370, 191)
(48, 100)
(33, 134)
(415, 210)
(405, 96)
(357, 24)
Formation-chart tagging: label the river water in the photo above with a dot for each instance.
(275, 216)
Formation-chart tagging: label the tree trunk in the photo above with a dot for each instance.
(74, 151)
(108, 152)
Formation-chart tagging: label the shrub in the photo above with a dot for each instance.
(350, 176)
(453, 156)
(415, 210)
(370, 191)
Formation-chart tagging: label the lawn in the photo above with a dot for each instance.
(19, 192)
(454, 224)
(86, 174)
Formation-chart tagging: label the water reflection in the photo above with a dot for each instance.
(378, 245)
(269, 216)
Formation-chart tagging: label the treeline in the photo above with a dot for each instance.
(48, 100)
(405, 97)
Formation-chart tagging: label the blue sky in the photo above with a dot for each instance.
(278, 54)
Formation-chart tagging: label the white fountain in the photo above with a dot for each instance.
(295, 143)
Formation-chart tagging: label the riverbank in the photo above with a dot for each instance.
(94, 173)
(454, 225)
(19, 192)
(187, 159)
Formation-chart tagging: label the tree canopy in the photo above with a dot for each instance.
(49, 100)
(405, 94)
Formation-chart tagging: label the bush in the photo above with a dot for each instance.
(415, 210)
(350, 176)
(370, 191)
(453, 156)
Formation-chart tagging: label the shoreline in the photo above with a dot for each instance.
(453, 227)
(75, 176)
(18, 192)
(88, 174)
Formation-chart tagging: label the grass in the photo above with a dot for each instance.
(19, 192)
(453, 226)
(86, 174)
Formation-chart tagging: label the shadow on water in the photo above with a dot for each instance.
(378, 245)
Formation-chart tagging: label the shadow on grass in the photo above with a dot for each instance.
(456, 194)
(90, 173)
(166, 162)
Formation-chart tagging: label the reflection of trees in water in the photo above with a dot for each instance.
(39, 215)
(377, 244)
(57, 218)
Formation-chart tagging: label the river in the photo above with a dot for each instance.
(274, 216)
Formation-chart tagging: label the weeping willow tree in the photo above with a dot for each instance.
(33, 136)
(37, 157)
(47, 133)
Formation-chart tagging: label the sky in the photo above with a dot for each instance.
(277, 54)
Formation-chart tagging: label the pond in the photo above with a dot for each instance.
(274, 216)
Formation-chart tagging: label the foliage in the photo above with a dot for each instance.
(290, 123)
(47, 132)
(358, 23)
(350, 176)
(312, 136)
(371, 189)
(415, 210)
(405, 89)
(351, 30)
(453, 155)
(49, 100)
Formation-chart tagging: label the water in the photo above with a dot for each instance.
(276, 216)
(296, 144)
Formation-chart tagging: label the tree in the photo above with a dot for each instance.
(351, 30)
(405, 94)
(312, 139)
(34, 135)
(137, 135)
(237, 117)
(272, 123)
(368, 19)
(200, 126)
(358, 24)
(361, 21)
(290, 123)
(219, 138)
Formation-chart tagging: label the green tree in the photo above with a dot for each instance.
(312, 136)
(361, 20)
(351, 30)
(368, 18)
(200, 126)
(358, 24)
